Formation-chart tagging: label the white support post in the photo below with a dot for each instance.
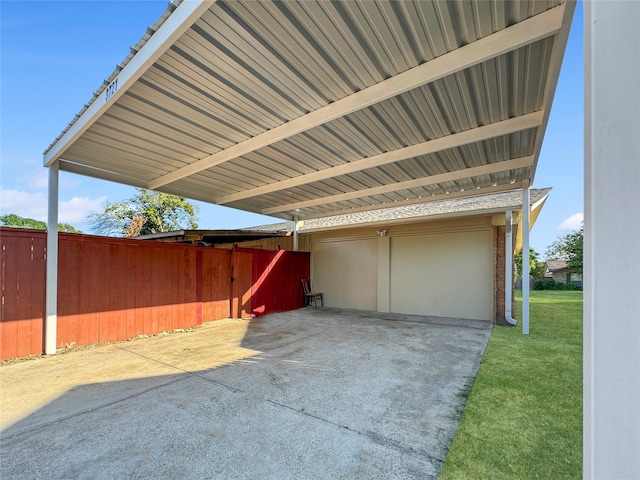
(51, 319)
(611, 343)
(384, 272)
(508, 268)
(295, 234)
(526, 209)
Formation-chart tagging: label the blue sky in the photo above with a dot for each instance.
(54, 55)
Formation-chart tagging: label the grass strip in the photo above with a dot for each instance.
(523, 417)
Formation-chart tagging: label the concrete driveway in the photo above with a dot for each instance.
(313, 393)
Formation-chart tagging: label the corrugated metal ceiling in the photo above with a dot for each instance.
(311, 108)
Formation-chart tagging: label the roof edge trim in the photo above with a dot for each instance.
(559, 48)
(176, 24)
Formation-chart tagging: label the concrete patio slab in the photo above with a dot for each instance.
(313, 393)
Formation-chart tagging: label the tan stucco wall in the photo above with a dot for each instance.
(440, 268)
(346, 273)
(443, 274)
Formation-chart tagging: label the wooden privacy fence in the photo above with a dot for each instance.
(113, 289)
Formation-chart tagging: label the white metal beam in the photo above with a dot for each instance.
(174, 26)
(520, 34)
(611, 441)
(522, 162)
(479, 134)
(51, 304)
(93, 172)
(383, 296)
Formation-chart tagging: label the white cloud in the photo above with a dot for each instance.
(75, 211)
(36, 179)
(572, 224)
(24, 204)
(34, 205)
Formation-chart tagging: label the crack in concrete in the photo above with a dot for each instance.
(381, 440)
(30, 428)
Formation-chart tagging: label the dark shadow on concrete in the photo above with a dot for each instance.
(319, 393)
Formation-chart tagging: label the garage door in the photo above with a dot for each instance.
(346, 273)
(447, 274)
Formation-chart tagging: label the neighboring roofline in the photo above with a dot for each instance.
(155, 236)
(213, 236)
(554, 270)
(557, 268)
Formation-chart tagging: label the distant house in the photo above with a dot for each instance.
(560, 272)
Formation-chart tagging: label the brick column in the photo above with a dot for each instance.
(498, 274)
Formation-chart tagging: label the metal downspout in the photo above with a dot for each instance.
(295, 234)
(526, 209)
(508, 270)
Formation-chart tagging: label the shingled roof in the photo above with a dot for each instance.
(465, 206)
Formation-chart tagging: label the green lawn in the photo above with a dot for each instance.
(523, 417)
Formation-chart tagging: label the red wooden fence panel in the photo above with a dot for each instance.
(276, 276)
(22, 277)
(112, 289)
(296, 266)
(241, 275)
(216, 283)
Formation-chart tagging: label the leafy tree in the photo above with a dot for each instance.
(568, 248)
(65, 227)
(13, 220)
(536, 268)
(146, 212)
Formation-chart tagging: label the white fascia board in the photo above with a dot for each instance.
(540, 202)
(553, 74)
(176, 24)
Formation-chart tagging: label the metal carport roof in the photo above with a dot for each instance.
(306, 109)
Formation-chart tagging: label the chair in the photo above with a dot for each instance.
(309, 295)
